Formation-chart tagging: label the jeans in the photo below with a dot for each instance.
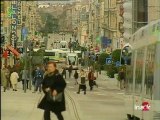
(38, 85)
(47, 115)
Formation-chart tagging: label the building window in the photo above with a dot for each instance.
(140, 14)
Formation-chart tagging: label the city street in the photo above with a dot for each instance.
(114, 43)
(103, 103)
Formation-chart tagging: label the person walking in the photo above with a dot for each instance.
(53, 83)
(70, 70)
(121, 75)
(82, 85)
(25, 76)
(91, 79)
(64, 72)
(38, 79)
(14, 80)
(76, 77)
(4, 77)
(9, 85)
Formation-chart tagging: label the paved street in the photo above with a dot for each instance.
(103, 103)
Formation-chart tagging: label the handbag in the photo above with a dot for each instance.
(57, 98)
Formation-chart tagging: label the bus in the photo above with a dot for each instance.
(63, 45)
(55, 55)
(142, 91)
(72, 59)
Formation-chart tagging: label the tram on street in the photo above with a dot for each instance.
(56, 55)
(142, 91)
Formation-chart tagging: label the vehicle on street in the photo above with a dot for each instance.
(142, 92)
(72, 59)
(63, 45)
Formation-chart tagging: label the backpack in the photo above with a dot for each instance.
(38, 74)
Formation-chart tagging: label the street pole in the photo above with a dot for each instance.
(25, 64)
(30, 66)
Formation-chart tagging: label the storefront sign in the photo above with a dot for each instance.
(13, 36)
(19, 15)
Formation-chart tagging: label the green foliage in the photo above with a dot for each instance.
(37, 57)
(116, 55)
(97, 66)
(50, 23)
(111, 70)
(102, 58)
(90, 62)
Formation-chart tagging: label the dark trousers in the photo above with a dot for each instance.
(38, 86)
(83, 87)
(27, 81)
(47, 115)
(91, 84)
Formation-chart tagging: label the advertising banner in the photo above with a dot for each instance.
(13, 37)
(19, 15)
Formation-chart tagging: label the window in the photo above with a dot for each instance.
(72, 60)
(149, 70)
(140, 13)
(139, 68)
(49, 54)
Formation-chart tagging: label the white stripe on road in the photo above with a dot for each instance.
(120, 93)
(101, 88)
(101, 94)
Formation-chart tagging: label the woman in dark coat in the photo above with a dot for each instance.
(55, 83)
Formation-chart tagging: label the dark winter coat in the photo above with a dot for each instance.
(76, 75)
(56, 82)
(122, 75)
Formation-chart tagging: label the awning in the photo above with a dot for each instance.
(14, 51)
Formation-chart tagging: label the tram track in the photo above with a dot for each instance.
(73, 105)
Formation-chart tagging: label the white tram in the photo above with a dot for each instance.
(142, 94)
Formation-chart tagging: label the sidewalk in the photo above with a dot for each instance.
(17, 105)
(109, 83)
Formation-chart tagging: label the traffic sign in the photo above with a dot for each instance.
(108, 60)
(118, 63)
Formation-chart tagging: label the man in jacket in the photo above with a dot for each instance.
(4, 77)
(53, 82)
(122, 78)
(38, 79)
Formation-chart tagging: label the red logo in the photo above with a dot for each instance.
(146, 106)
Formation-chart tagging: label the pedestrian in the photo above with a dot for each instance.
(64, 72)
(9, 85)
(4, 77)
(91, 79)
(33, 75)
(70, 70)
(76, 77)
(82, 85)
(14, 79)
(25, 76)
(38, 80)
(121, 75)
(53, 83)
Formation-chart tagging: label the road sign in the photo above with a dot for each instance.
(108, 60)
(118, 63)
